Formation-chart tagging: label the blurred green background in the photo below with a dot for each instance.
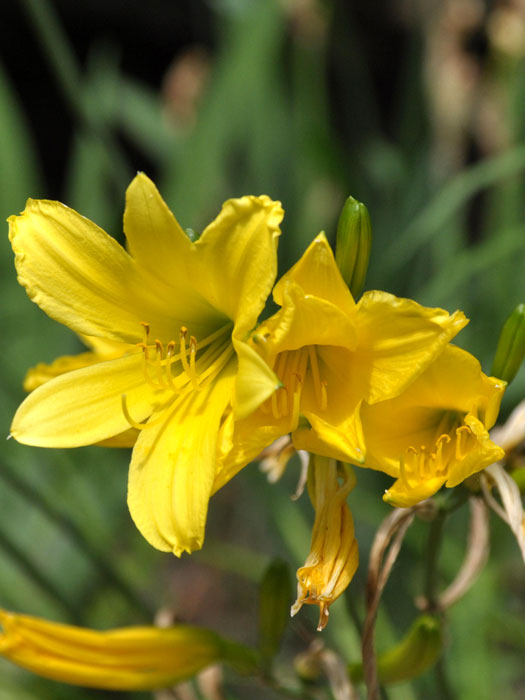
(416, 109)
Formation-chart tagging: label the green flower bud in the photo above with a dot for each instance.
(353, 243)
(274, 609)
(511, 346)
(412, 656)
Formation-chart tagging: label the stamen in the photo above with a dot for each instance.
(158, 362)
(284, 376)
(215, 367)
(193, 352)
(183, 358)
(285, 408)
(440, 461)
(216, 334)
(407, 467)
(312, 354)
(275, 409)
(423, 461)
(324, 396)
(296, 402)
(146, 328)
(281, 364)
(170, 358)
(460, 443)
(132, 421)
(145, 360)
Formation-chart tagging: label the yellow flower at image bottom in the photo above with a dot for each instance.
(129, 658)
(174, 316)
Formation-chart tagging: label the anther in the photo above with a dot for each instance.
(146, 328)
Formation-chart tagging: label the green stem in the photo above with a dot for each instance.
(442, 684)
(105, 569)
(447, 504)
(435, 537)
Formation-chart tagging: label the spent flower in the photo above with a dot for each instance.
(333, 557)
(128, 658)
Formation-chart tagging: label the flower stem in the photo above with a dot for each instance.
(435, 537)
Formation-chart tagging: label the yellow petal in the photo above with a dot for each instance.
(247, 440)
(317, 274)
(173, 468)
(336, 429)
(84, 406)
(305, 320)
(166, 290)
(155, 238)
(398, 339)
(401, 495)
(105, 348)
(126, 439)
(73, 270)
(254, 383)
(482, 455)
(42, 373)
(227, 274)
(456, 381)
(238, 256)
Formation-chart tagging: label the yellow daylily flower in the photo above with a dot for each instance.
(330, 355)
(129, 658)
(333, 558)
(435, 432)
(181, 312)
